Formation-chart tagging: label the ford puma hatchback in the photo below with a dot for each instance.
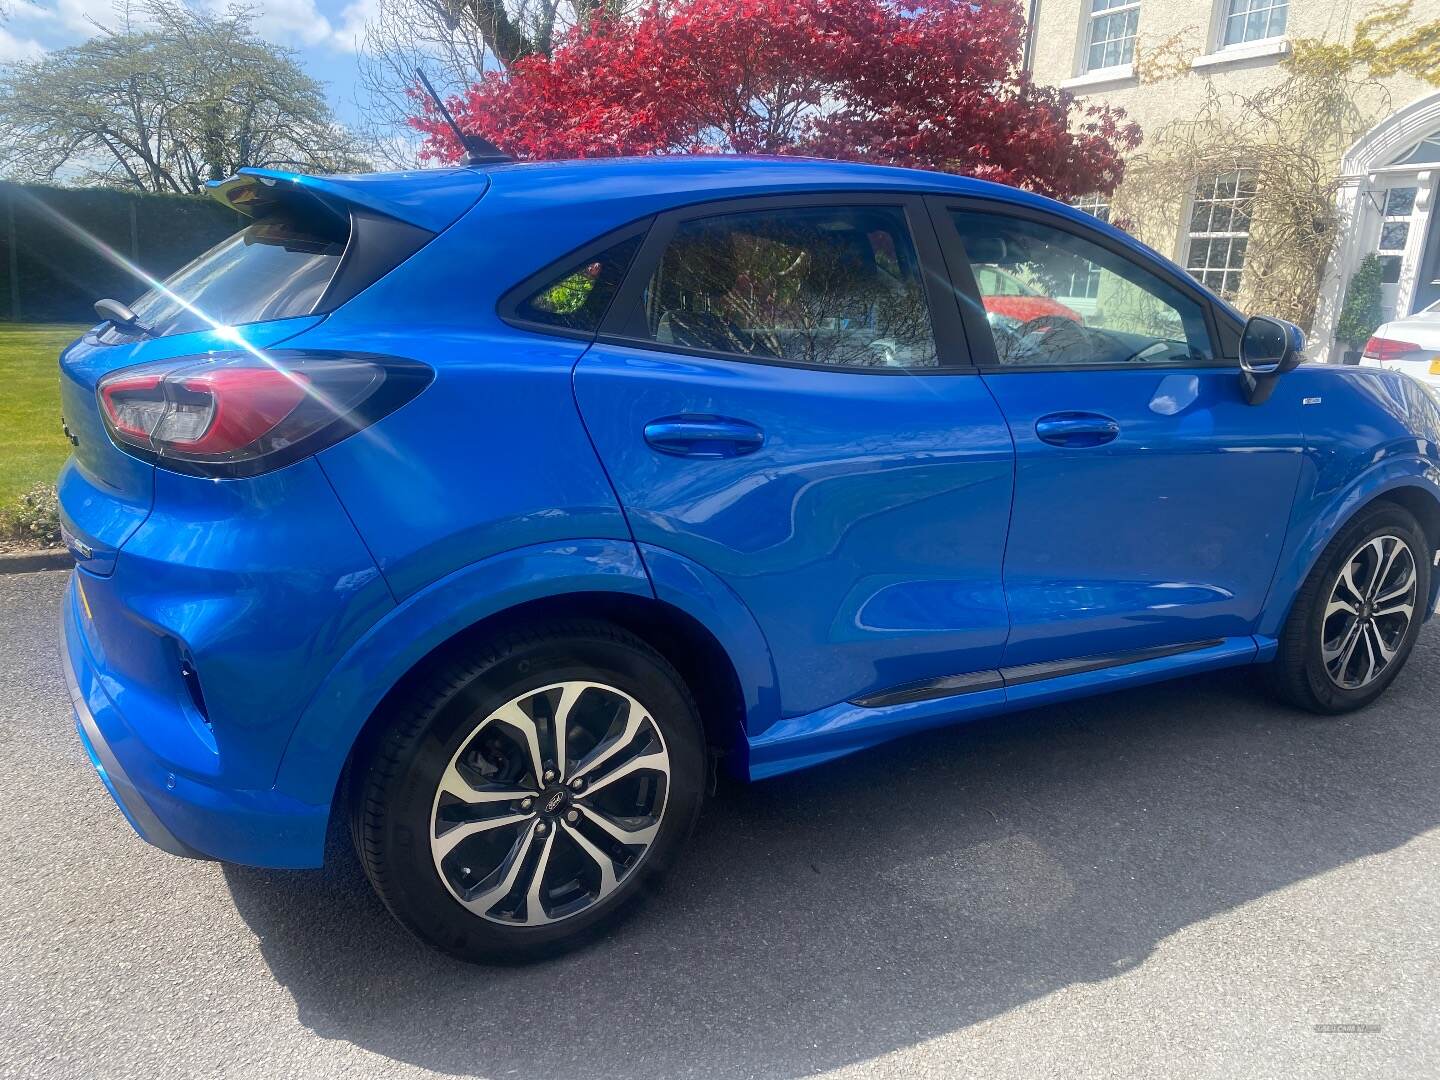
(487, 510)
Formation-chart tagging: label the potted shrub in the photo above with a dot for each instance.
(1360, 314)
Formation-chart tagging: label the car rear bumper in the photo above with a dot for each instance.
(1420, 366)
(178, 813)
(117, 781)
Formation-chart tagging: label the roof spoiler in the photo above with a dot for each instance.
(431, 199)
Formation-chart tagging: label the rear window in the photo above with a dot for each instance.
(276, 268)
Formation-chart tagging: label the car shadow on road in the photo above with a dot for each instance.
(902, 894)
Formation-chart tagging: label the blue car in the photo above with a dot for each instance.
(490, 509)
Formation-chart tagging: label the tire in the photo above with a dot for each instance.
(455, 862)
(1311, 670)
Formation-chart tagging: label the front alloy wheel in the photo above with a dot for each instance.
(550, 803)
(1354, 621)
(1369, 611)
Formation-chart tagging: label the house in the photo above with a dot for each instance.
(1228, 50)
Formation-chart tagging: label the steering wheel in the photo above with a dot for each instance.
(1043, 323)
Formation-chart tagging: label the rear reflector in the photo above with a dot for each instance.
(239, 414)
(1379, 348)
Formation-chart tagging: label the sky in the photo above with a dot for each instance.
(325, 33)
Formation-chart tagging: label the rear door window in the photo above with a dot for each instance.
(276, 268)
(830, 286)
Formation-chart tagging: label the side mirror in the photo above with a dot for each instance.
(1268, 349)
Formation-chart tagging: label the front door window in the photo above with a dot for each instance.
(1026, 273)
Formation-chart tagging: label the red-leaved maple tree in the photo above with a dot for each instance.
(937, 86)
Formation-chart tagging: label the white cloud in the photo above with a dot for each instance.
(24, 11)
(14, 48)
(298, 22)
(80, 16)
(350, 34)
(65, 20)
(288, 21)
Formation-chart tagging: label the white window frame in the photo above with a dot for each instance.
(1225, 11)
(1189, 235)
(1218, 54)
(1395, 296)
(1098, 207)
(1089, 18)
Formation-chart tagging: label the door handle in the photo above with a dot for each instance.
(704, 436)
(1076, 429)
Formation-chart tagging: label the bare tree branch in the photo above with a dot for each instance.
(456, 42)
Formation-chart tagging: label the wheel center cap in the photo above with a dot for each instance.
(554, 800)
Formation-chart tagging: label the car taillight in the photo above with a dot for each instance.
(1382, 349)
(239, 414)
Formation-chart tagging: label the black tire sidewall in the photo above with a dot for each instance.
(413, 889)
(1394, 521)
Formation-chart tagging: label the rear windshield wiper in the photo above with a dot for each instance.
(122, 318)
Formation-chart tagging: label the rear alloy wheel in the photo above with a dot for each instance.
(550, 803)
(525, 797)
(1356, 618)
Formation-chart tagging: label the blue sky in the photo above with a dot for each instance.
(324, 32)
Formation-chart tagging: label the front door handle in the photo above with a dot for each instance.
(704, 436)
(1076, 429)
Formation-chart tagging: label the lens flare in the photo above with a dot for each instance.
(227, 333)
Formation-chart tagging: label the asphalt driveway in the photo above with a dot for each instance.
(1183, 880)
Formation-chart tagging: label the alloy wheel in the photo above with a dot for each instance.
(1369, 612)
(550, 803)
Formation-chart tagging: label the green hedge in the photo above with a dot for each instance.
(48, 273)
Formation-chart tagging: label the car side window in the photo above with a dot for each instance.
(833, 286)
(577, 296)
(1026, 273)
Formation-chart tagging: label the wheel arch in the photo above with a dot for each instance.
(688, 645)
(1413, 485)
(1424, 505)
(697, 624)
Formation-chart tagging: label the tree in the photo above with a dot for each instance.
(1286, 139)
(456, 42)
(937, 86)
(186, 97)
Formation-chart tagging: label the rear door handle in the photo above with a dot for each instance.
(1076, 429)
(704, 436)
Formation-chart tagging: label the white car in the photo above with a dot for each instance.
(1411, 345)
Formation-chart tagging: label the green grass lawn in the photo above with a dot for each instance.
(32, 447)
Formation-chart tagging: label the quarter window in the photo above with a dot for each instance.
(830, 286)
(1110, 35)
(1219, 231)
(1135, 317)
(576, 298)
(1254, 20)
